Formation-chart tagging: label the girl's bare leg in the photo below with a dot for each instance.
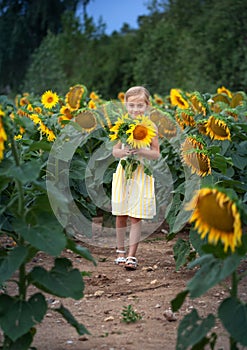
(121, 224)
(135, 235)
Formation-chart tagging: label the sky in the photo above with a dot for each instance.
(117, 12)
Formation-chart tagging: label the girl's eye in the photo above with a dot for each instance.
(139, 106)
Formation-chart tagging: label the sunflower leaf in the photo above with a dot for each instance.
(212, 271)
(232, 309)
(193, 329)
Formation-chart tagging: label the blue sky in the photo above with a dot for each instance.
(115, 13)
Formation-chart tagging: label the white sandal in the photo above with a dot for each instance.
(121, 259)
(131, 263)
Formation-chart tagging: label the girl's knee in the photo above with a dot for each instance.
(134, 220)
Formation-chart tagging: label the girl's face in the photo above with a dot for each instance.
(136, 105)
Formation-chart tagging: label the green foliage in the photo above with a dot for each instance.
(130, 315)
(193, 331)
(27, 217)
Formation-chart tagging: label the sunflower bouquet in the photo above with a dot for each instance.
(136, 133)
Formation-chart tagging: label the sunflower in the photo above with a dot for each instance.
(35, 118)
(231, 112)
(92, 104)
(186, 117)
(141, 132)
(237, 99)
(192, 143)
(74, 96)
(94, 96)
(49, 99)
(219, 103)
(164, 122)
(217, 129)
(158, 100)
(223, 90)
(87, 120)
(65, 111)
(198, 161)
(47, 132)
(177, 99)
(217, 215)
(120, 127)
(3, 138)
(24, 101)
(38, 110)
(198, 103)
(107, 118)
(120, 96)
(202, 126)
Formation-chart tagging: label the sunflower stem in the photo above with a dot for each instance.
(234, 292)
(234, 289)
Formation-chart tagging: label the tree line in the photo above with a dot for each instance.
(192, 45)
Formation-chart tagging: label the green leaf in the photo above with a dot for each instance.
(48, 237)
(181, 252)
(239, 161)
(233, 315)
(212, 271)
(71, 320)
(192, 329)
(82, 251)
(26, 172)
(178, 301)
(220, 162)
(18, 316)
(23, 342)
(41, 145)
(196, 241)
(11, 262)
(62, 280)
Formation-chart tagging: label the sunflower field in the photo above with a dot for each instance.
(55, 177)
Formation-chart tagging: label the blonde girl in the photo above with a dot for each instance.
(133, 200)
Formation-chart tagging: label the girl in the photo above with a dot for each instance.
(133, 199)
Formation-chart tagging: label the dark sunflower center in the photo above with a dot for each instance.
(217, 217)
(140, 132)
(218, 129)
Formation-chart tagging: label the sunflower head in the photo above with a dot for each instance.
(158, 100)
(225, 91)
(186, 116)
(75, 95)
(141, 132)
(87, 120)
(49, 99)
(219, 103)
(198, 103)
(65, 111)
(194, 156)
(177, 99)
(217, 129)
(120, 96)
(94, 96)
(216, 216)
(238, 99)
(92, 104)
(164, 122)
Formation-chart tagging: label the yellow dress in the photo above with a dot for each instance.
(134, 197)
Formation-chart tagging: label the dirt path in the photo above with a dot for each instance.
(149, 290)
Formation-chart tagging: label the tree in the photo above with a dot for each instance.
(23, 25)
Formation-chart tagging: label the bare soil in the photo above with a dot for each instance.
(108, 288)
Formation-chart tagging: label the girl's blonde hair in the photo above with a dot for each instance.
(137, 90)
